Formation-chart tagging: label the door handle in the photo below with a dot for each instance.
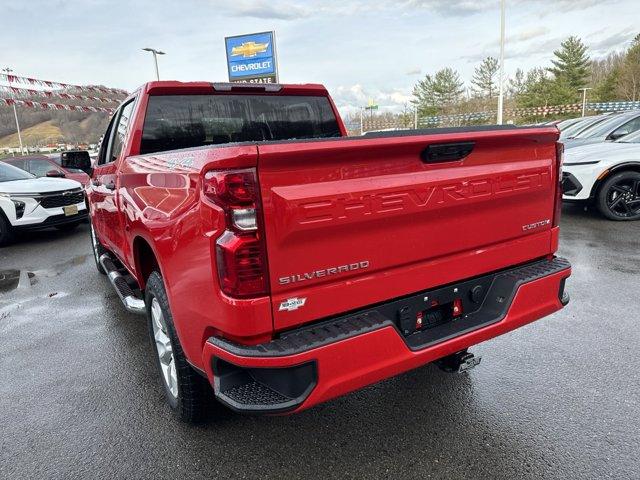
(110, 186)
(446, 152)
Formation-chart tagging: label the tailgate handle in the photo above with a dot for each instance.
(446, 152)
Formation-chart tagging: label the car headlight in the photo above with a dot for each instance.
(19, 208)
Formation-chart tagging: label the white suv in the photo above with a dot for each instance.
(30, 203)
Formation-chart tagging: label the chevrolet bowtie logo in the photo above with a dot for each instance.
(249, 49)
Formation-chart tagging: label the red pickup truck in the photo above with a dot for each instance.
(281, 264)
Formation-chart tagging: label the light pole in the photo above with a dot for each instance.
(584, 99)
(501, 75)
(155, 58)
(8, 71)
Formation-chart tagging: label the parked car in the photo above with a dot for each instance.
(608, 130)
(31, 203)
(606, 174)
(577, 125)
(284, 264)
(48, 166)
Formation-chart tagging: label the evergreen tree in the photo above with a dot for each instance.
(606, 90)
(571, 65)
(435, 93)
(484, 78)
(540, 90)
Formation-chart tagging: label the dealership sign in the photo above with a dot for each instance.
(252, 58)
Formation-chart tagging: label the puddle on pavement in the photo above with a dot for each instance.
(59, 268)
(11, 279)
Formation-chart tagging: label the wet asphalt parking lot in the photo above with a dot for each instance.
(79, 396)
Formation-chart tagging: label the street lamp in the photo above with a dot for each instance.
(8, 71)
(155, 58)
(584, 99)
(501, 86)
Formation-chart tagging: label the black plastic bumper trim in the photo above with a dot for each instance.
(263, 390)
(54, 221)
(570, 185)
(501, 288)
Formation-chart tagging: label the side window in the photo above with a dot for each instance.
(117, 139)
(22, 164)
(39, 168)
(627, 128)
(104, 145)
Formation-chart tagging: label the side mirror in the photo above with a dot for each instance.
(55, 174)
(76, 159)
(616, 135)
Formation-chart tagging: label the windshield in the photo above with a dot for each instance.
(9, 173)
(564, 124)
(578, 127)
(631, 138)
(602, 129)
(184, 121)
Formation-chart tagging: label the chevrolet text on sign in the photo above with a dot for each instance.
(252, 58)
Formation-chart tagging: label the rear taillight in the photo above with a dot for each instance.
(240, 251)
(558, 193)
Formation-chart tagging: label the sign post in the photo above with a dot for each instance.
(252, 58)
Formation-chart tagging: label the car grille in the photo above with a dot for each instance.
(63, 199)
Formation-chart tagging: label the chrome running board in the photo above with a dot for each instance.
(120, 283)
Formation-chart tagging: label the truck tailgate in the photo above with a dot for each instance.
(353, 222)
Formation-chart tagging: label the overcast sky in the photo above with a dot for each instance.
(359, 49)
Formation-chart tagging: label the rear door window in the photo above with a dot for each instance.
(40, 167)
(183, 121)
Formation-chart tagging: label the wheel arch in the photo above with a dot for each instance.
(145, 259)
(633, 166)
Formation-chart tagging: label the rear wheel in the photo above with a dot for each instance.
(619, 196)
(97, 248)
(6, 232)
(187, 392)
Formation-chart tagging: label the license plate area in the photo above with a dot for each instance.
(70, 210)
(433, 309)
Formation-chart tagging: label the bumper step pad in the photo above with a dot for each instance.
(254, 393)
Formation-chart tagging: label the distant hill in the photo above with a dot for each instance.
(40, 127)
(46, 132)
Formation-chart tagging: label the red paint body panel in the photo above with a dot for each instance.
(417, 225)
(328, 203)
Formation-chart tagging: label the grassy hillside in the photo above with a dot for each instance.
(41, 133)
(40, 127)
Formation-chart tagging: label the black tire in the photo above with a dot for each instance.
(619, 196)
(67, 227)
(97, 248)
(6, 232)
(193, 395)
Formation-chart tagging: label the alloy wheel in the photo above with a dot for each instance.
(164, 349)
(623, 198)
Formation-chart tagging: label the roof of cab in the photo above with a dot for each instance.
(168, 87)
